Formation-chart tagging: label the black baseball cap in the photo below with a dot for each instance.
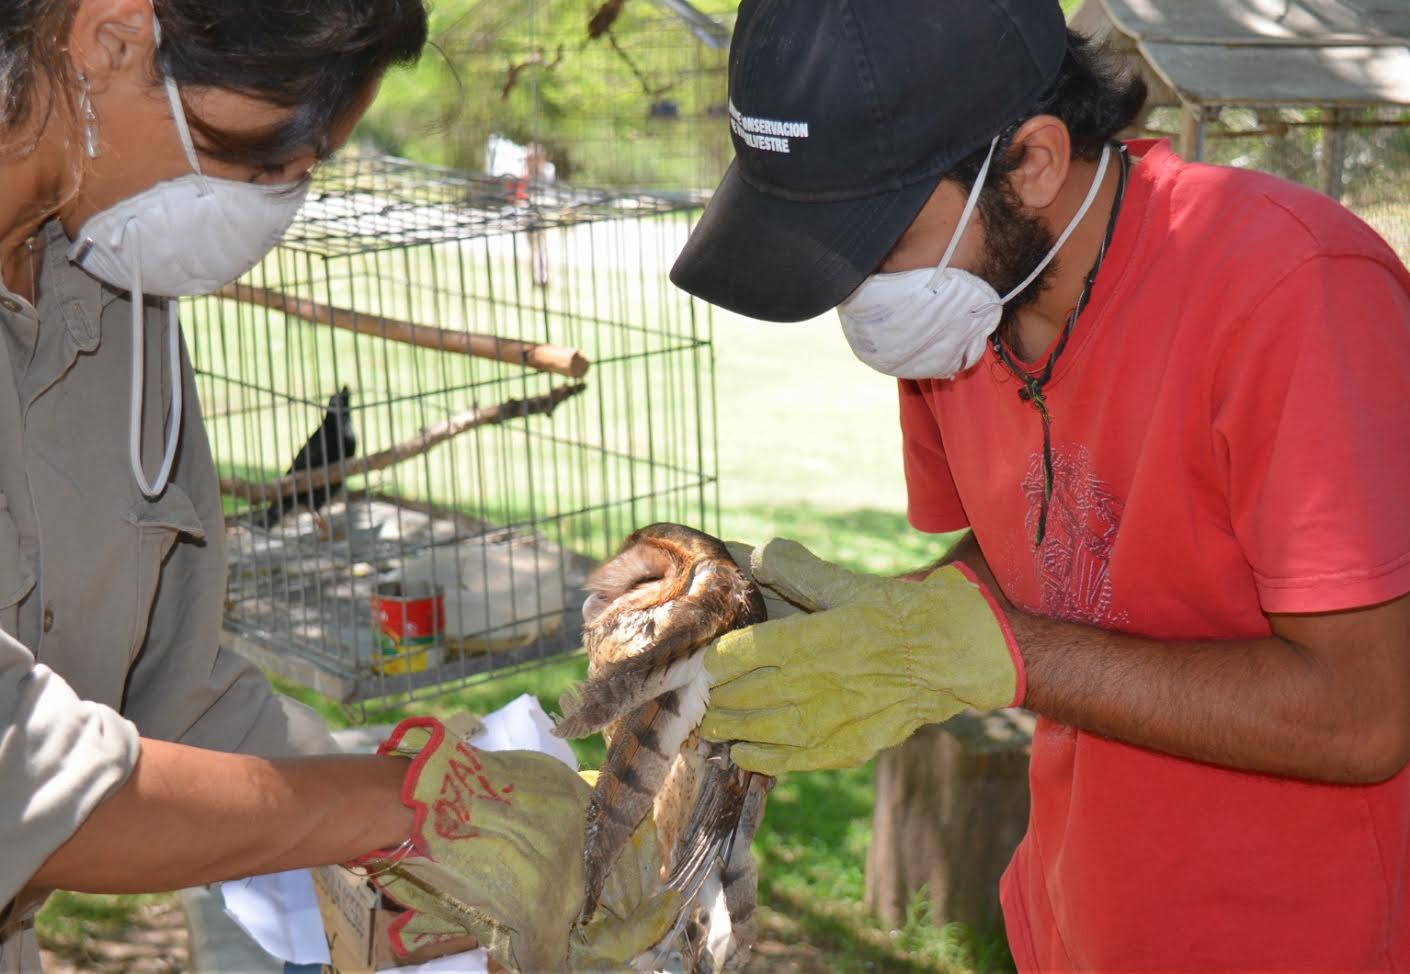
(845, 114)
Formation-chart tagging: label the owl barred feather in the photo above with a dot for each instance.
(654, 608)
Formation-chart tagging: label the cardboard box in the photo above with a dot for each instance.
(356, 918)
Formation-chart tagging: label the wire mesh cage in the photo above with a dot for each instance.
(434, 406)
(1315, 92)
(1358, 155)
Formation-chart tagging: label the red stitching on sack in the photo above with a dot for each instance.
(465, 783)
(413, 774)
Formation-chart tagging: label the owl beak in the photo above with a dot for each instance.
(593, 606)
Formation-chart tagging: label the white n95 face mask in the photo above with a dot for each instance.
(197, 232)
(934, 323)
(184, 236)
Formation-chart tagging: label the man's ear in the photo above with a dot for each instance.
(111, 39)
(1044, 149)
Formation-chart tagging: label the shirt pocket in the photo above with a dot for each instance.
(16, 579)
(169, 515)
(158, 523)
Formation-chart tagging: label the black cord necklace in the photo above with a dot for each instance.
(1032, 390)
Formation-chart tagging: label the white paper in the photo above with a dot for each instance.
(470, 962)
(521, 725)
(280, 911)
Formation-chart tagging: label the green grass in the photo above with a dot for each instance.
(810, 446)
(76, 917)
(71, 925)
(811, 852)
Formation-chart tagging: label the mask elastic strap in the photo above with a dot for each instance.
(178, 111)
(178, 114)
(968, 211)
(1071, 225)
(134, 430)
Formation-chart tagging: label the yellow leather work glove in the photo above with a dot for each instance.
(777, 607)
(497, 852)
(878, 659)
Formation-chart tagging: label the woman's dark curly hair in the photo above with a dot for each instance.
(1094, 94)
(313, 56)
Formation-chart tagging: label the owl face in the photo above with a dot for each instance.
(655, 606)
(638, 576)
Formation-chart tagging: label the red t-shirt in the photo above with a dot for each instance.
(1230, 437)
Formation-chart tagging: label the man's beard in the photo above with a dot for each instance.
(1014, 243)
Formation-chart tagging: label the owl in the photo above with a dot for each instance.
(653, 609)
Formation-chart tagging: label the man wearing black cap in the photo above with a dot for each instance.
(1169, 401)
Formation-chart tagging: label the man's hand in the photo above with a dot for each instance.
(498, 853)
(878, 659)
(776, 607)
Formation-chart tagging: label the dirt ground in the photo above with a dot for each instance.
(155, 943)
(774, 957)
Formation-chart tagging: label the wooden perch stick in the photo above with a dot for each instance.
(307, 481)
(558, 359)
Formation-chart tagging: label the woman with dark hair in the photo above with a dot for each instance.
(151, 149)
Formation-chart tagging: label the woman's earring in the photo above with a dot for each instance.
(91, 145)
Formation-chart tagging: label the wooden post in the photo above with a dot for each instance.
(1333, 152)
(1192, 134)
(951, 807)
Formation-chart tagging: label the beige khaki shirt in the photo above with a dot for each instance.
(110, 603)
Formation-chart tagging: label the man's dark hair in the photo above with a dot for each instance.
(1094, 94)
(1096, 97)
(315, 57)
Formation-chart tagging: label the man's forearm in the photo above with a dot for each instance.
(1300, 706)
(1256, 705)
(188, 816)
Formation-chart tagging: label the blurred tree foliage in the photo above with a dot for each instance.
(641, 103)
(626, 93)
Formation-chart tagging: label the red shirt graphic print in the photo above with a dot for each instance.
(1073, 564)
